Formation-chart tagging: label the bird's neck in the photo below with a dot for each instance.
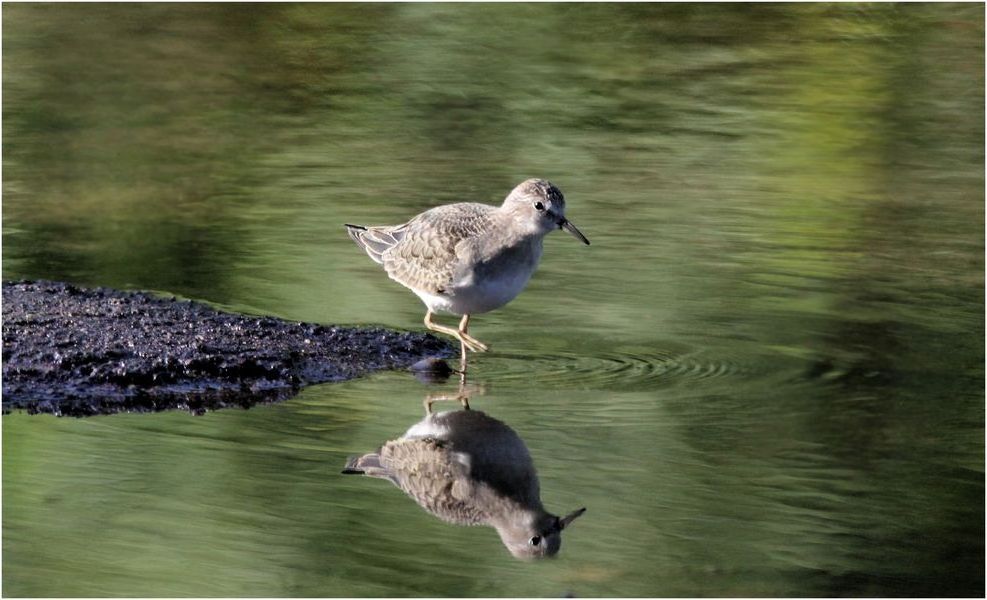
(522, 228)
(518, 519)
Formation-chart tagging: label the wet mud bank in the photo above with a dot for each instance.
(77, 351)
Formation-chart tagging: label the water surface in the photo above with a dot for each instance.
(765, 376)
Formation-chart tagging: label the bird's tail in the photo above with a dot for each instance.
(369, 465)
(375, 240)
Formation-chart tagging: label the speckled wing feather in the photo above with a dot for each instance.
(435, 476)
(427, 251)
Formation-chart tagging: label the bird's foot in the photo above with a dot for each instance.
(472, 343)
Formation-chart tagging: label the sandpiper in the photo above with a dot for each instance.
(468, 468)
(469, 258)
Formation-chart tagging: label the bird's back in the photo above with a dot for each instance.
(426, 253)
(436, 477)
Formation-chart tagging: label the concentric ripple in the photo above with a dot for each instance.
(612, 369)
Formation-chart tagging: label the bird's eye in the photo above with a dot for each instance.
(539, 206)
(535, 540)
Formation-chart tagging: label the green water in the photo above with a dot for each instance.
(765, 376)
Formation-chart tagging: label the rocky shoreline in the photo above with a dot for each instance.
(74, 351)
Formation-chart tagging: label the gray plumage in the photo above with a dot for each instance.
(469, 258)
(428, 252)
(470, 469)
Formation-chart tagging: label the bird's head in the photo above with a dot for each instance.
(540, 539)
(540, 206)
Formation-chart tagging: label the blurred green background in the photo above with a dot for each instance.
(765, 376)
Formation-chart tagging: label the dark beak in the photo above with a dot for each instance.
(569, 518)
(568, 226)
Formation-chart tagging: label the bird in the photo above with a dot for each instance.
(468, 468)
(469, 258)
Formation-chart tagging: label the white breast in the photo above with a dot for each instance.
(490, 293)
(429, 427)
(436, 302)
(495, 281)
(489, 277)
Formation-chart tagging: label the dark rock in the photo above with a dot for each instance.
(75, 351)
(431, 370)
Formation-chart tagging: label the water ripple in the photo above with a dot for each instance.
(612, 369)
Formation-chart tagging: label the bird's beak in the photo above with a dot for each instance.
(568, 226)
(569, 518)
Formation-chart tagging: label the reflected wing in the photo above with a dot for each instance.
(436, 477)
(369, 465)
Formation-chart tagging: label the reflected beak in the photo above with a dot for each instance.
(568, 226)
(569, 518)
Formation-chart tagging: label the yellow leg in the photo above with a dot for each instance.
(463, 344)
(430, 399)
(460, 334)
(462, 396)
(475, 344)
(440, 328)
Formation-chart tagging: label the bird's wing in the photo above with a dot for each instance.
(435, 476)
(431, 247)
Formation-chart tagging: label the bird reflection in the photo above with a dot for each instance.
(468, 468)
